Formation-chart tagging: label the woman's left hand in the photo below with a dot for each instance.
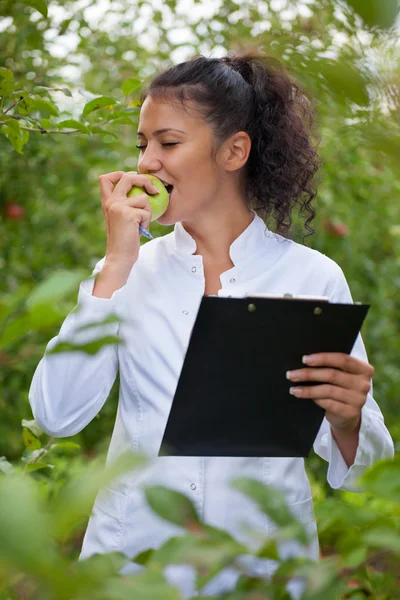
(343, 393)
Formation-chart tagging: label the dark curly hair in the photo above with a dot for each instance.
(252, 92)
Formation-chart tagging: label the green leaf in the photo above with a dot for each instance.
(97, 103)
(25, 541)
(14, 330)
(130, 85)
(144, 557)
(5, 466)
(73, 124)
(99, 567)
(13, 132)
(30, 441)
(6, 74)
(7, 85)
(37, 466)
(122, 113)
(65, 446)
(108, 319)
(89, 347)
(379, 13)
(75, 500)
(24, 102)
(207, 551)
(345, 80)
(273, 503)
(58, 285)
(66, 91)
(29, 457)
(123, 121)
(43, 316)
(39, 5)
(147, 585)
(101, 131)
(24, 136)
(269, 550)
(44, 89)
(384, 539)
(47, 90)
(32, 426)
(45, 123)
(64, 25)
(382, 479)
(356, 557)
(44, 106)
(172, 506)
(10, 303)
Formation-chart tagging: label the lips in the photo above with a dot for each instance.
(168, 186)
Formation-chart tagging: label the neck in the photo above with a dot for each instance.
(215, 231)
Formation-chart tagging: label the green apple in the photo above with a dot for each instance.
(158, 202)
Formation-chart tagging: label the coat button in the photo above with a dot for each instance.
(185, 312)
(232, 280)
(194, 269)
(192, 486)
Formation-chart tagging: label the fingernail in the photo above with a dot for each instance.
(295, 390)
(307, 359)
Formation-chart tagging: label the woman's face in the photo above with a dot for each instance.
(181, 156)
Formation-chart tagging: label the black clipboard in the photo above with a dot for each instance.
(232, 397)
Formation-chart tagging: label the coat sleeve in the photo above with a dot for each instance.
(375, 442)
(69, 389)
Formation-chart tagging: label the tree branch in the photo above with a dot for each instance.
(12, 105)
(43, 131)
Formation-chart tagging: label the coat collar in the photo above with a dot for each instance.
(250, 241)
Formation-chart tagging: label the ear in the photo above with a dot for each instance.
(234, 152)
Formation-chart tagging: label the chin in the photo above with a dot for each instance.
(167, 218)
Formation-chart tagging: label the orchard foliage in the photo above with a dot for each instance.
(46, 497)
(66, 118)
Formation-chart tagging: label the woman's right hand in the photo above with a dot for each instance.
(123, 215)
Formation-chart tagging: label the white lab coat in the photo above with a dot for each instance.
(160, 302)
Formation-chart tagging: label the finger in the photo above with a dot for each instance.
(132, 179)
(317, 392)
(132, 214)
(337, 408)
(108, 181)
(139, 201)
(332, 376)
(144, 218)
(338, 360)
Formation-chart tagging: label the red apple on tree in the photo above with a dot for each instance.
(336, 229)
(15, 212)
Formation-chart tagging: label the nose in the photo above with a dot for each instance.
(148, 160)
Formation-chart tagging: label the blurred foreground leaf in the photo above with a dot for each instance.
(76, 499)
(172, 506)
(383, 480)
(273, 503)
(379, 13)
(56, 286)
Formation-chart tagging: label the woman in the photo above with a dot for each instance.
(233, 138)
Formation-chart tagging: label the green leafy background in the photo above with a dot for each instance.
(68, 116)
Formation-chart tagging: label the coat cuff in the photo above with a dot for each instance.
(370, 449)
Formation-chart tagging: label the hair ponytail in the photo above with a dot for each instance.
(252, 92)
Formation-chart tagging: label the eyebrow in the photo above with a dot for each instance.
(159, 131)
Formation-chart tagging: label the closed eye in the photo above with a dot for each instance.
(166, 144)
